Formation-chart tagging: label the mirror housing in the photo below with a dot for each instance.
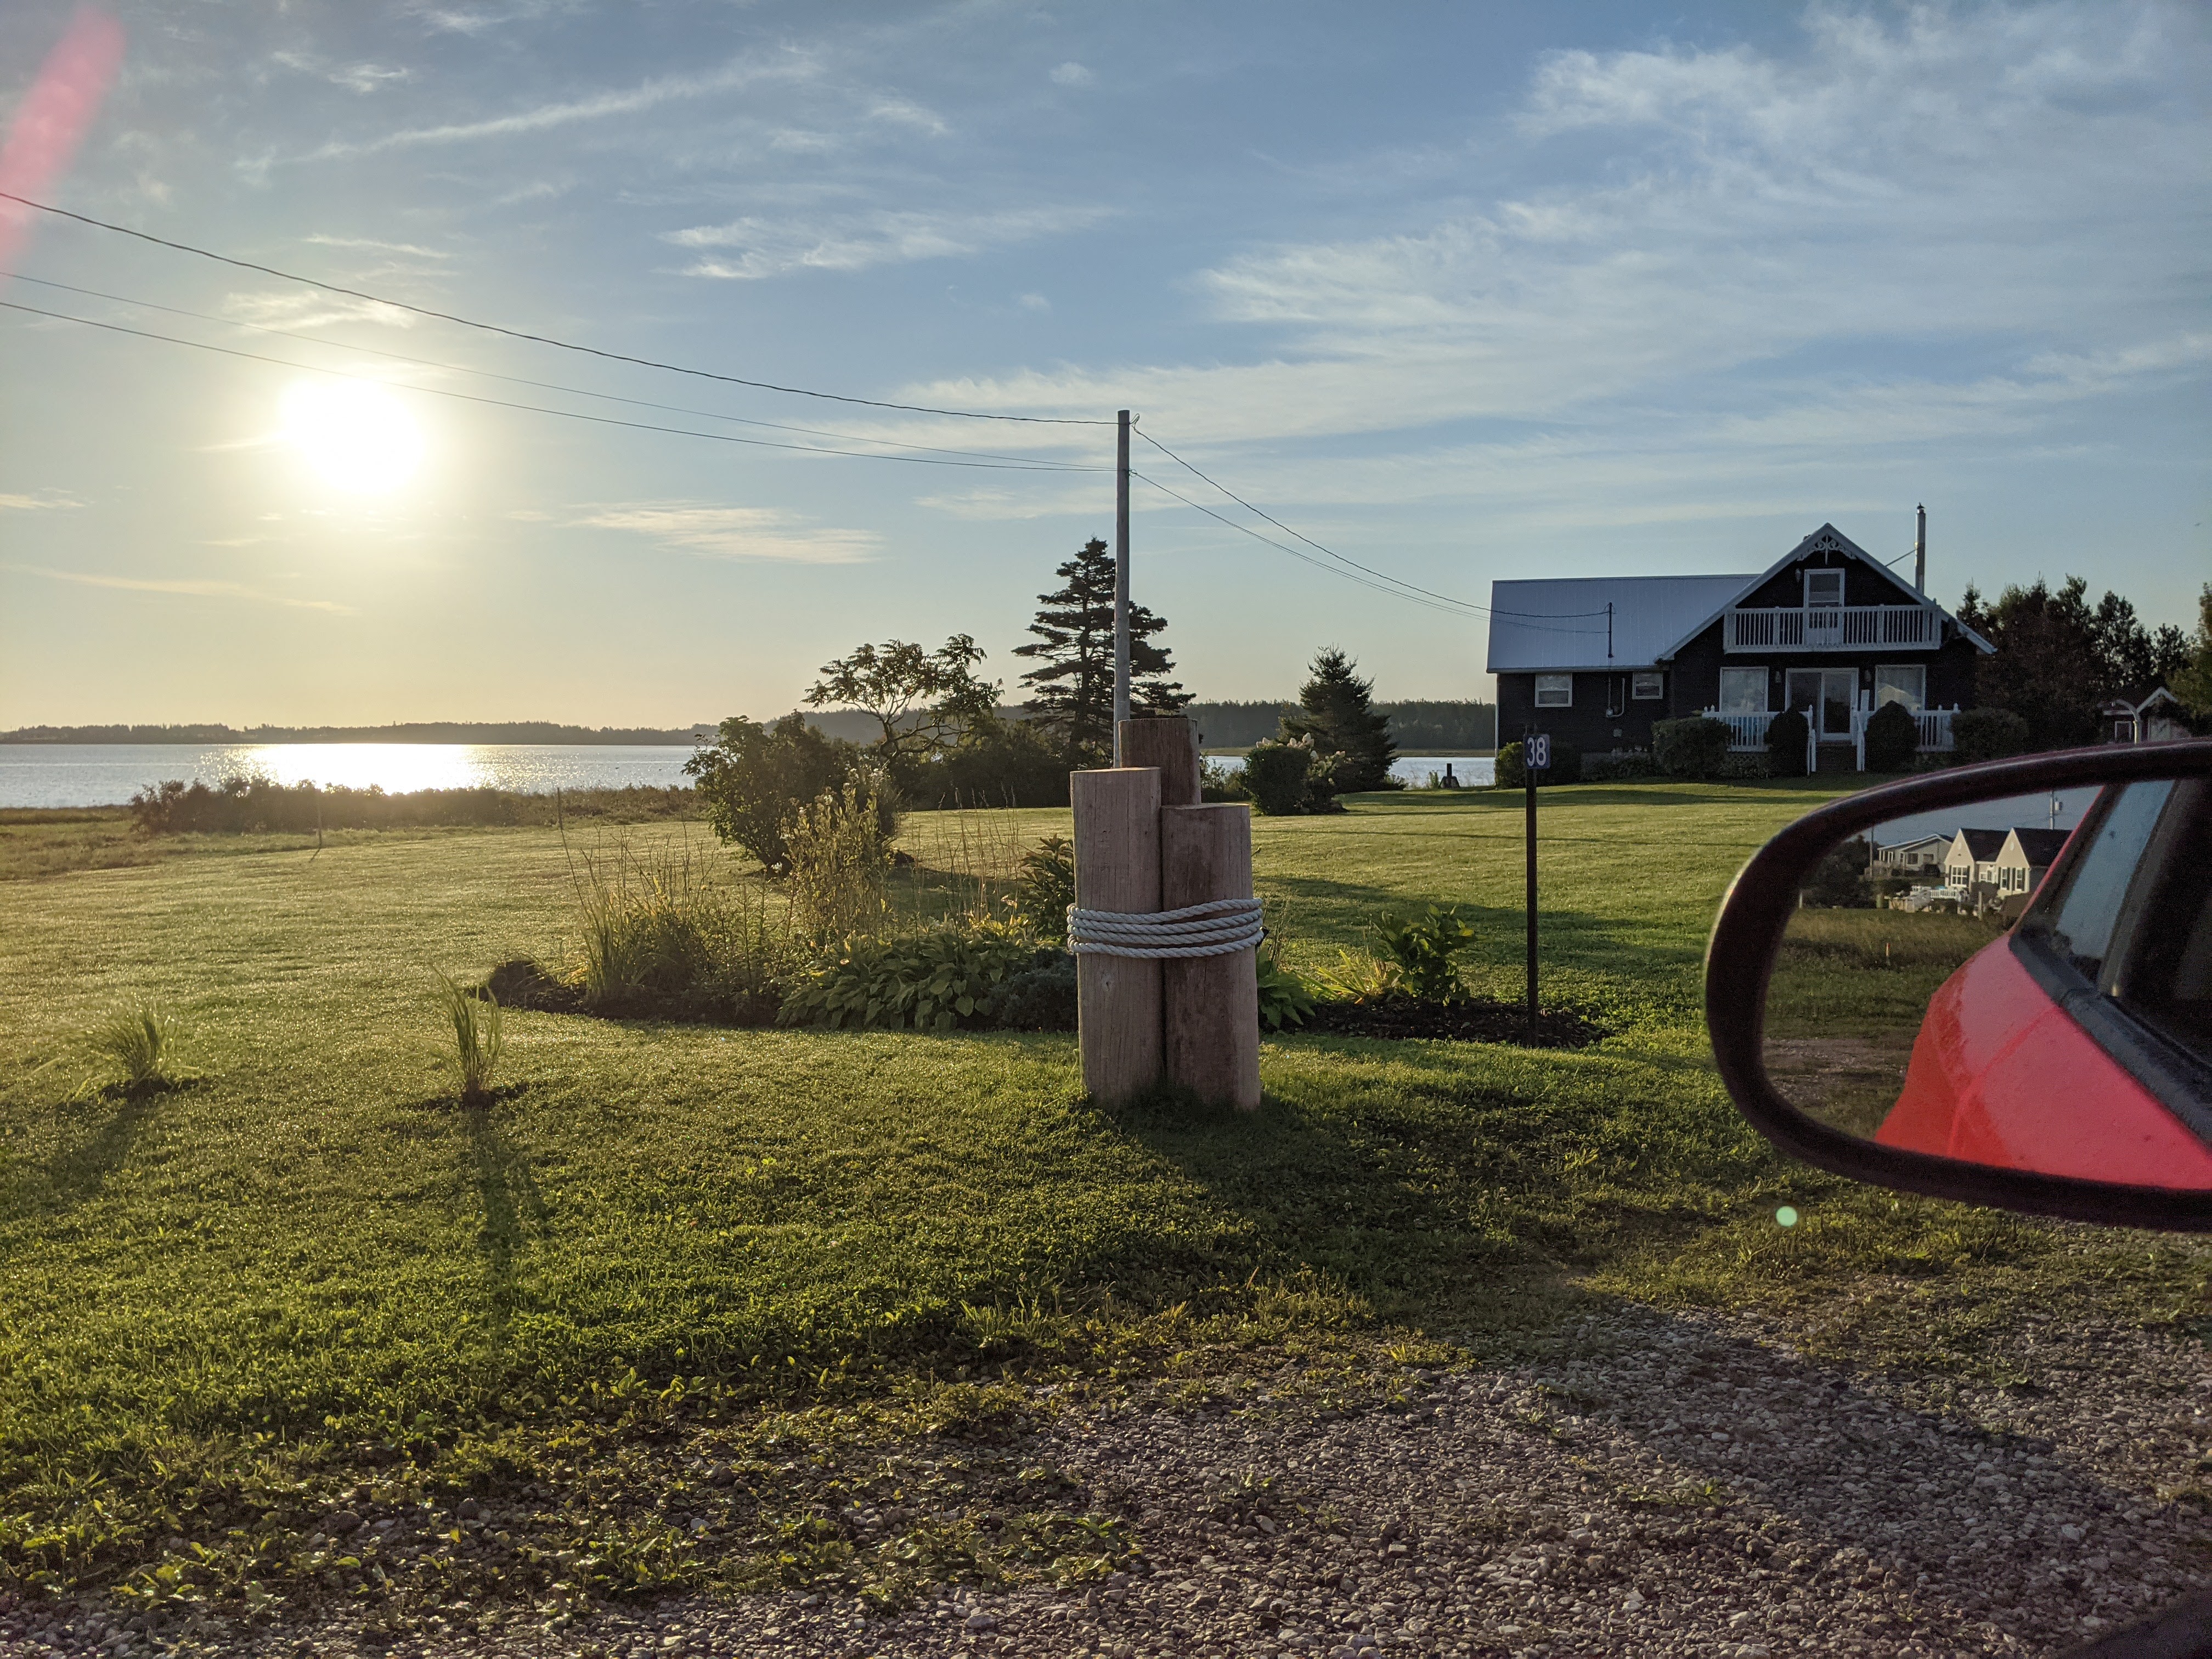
(1748, 934)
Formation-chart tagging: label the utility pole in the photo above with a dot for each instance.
(1121, 582)
(1920, 551)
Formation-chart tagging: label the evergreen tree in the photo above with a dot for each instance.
(2057, 659)
(1337, 714)
(1072, 689)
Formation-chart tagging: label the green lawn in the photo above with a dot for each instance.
(311, 1272)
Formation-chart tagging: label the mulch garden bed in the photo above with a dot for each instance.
(1479, 1021)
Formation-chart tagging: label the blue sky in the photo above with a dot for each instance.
(1463, 292)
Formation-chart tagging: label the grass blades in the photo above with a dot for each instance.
(478, 1036)
(139, 1040)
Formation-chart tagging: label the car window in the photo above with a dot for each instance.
(2081, 925)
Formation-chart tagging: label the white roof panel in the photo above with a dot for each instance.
(1561, 624)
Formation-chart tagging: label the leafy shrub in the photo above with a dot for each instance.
(1046, 887)
(1738, 768)
(1419, 950)
(1986, 734)
(139, 1040)
(1276, 777)
(838, 863)
(1787, 734)
(1217, 782)
(997, 762)
(755, 777)
(1691, 748)
(1893, 737)
(479, 1037)
(1619, 769)
(934, 980)
(1566, 766)
(1038, 998)
(1285, 1001)
(1839, 882)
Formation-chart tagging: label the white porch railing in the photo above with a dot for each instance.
(1831, 628)
(1747, 733)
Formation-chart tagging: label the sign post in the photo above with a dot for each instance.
(1535, 756)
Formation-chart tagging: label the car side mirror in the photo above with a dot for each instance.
(1993, 984)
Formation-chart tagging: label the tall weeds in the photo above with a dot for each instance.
(139, 1040)
(661, 934)
(478, 1036)
(838, 874)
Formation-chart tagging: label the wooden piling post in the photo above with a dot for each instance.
(1170, 743)
(1117, 867)
(1211, 1003)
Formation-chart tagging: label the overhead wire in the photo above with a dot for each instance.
(562, 414)
(515, 379)
(536, 340)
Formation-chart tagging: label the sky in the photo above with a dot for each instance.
(1461, 292)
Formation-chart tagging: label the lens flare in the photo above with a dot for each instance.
(1785, 1217)
(358, 435)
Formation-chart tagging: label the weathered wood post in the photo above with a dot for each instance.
(1117, 867)
(1170, 743)
(1211, 1003)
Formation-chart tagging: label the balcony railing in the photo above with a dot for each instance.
(1833, 628)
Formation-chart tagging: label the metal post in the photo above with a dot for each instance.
(1121, 582)
(1529, 789)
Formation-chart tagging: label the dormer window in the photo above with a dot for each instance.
(1824, 589)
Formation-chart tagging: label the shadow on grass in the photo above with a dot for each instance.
(512, 1206)
(77, 1173)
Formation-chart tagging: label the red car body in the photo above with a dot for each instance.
(2002, 1075)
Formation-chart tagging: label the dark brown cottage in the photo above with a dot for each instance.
(1826, 630)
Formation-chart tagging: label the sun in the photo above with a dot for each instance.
(357, 434)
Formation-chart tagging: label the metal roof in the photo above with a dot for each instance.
(1560, 624)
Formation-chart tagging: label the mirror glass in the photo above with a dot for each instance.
(2025, 982)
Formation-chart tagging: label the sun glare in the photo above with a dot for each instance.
(358, 435)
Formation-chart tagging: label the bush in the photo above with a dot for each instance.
(1738, 768)
(838, 863)
(1045, 888)
(935, 980)
(998, 763)
(1619, 769)
(1038, 998)
(1284, 998)
(1839, 882)
(1419, 950)
(1566, 767)
(1787, 734)
(756, 777)
(1986, 734)
(663, 937)
(1892, 737)
(1276, 778)
(257, 805)
(1691, 748)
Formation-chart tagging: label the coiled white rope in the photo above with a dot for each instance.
(1212, 929)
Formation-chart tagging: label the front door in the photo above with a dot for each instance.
(1829, 692)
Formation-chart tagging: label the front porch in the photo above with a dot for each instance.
(1747, 733)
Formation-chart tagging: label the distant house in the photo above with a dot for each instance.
(1971, 866)
(1911, 858)
(1595, 661)
(2000, 869)
(2143, 714)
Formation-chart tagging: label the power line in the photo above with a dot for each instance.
(517, 379)
(564, 414)
(1384, 576)
(537, 339)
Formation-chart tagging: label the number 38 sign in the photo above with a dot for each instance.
(1539, 751)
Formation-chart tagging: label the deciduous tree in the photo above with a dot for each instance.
(923, 700)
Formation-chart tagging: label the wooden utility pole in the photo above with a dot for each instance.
(1121, 582)
(1117, 867)
(1535, 756)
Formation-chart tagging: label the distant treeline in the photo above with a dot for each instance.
(543, 731)
(1415, 727)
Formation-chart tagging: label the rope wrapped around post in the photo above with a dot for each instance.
(1213, 929)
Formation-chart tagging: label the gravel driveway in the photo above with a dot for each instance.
(1667, 1484)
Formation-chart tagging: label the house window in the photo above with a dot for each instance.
(1555, 690)
(1823, 588)
(1905, 682)
(1743, 690)
(1649, 688)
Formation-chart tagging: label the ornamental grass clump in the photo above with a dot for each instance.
(478, 1036)
(837, 864)
(139, 1041)
(662, 935)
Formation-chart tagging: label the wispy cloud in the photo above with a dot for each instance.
(731, 532)
(45, 500)
(311, 308)
(632, 100)
(771, 247)
(373, 246)
(354, 77)
(1071, 75)
(189, 586)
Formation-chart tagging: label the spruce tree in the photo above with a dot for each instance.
(1336, 715)
(1072, 689)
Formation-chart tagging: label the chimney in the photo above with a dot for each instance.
(1920, 553)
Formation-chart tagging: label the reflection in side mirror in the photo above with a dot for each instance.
(2014, 984)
